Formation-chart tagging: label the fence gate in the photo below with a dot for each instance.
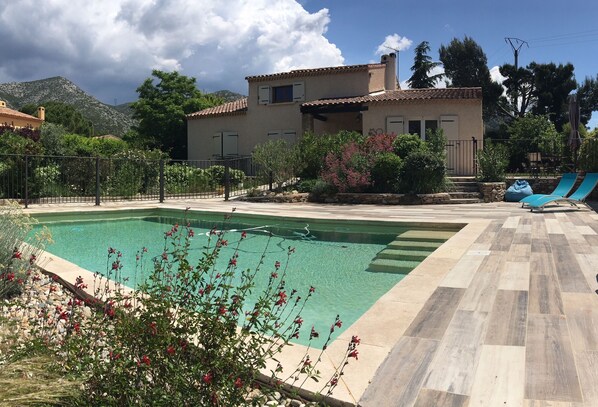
(461, 156)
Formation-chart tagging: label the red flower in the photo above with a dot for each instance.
(16, 254)
(144, 359)
(282, 298)
(314, 333)
(9, 276)
(183, 344)
(53, 288)
(299, 321)
(232, 262)
(353, 354)
(243, 235)
(164, 256)
(110, 312)
(274, 275)
(307, 362)
(222, 311)
(338, 323)
(170, 350)
(111, 250)
(77, 327)
(207, 378)
(115, 265)
(153, 327)
(277, 265)
(355, 340)
(238, 383)
(312, 289)
(191, 233)
(333, 381)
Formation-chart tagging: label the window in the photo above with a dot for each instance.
(282, 94)
(225, 144)
(415, 127)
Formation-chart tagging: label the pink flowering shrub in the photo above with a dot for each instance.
(350, 170)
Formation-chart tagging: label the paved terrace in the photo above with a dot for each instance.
(503, 314)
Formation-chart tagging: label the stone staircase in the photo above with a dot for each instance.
(408, 250)
(465, 190)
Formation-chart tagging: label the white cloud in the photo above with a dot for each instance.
(112, 45)
(393, 42)
(496, 76)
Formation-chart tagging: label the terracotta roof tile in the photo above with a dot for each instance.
(404, 95)
(314, 72)
(235, 107)
(7, 112)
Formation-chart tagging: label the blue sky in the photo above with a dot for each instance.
(108, 48)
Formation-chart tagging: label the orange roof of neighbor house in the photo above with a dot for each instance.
(314, 72)
(405, 95)
(233, 108)
(7, 112)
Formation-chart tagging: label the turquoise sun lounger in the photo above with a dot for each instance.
(585, 188)
(562, 189)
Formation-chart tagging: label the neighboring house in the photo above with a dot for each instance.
(362, 98)
(14, 118)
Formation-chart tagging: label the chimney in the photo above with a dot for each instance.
(2, 103)
(41, 113)
(390, 74)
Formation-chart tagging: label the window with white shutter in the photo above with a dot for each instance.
(217, 144)
(299, 92)
(263, 95)
(395, 125)
(230, 144)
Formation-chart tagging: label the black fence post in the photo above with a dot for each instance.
(161, 181)
(475, 155)
(97, 181)
(270, 180)
(226, 179)
(26, 181)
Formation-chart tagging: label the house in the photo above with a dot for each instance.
(363, 98)
(16, 119)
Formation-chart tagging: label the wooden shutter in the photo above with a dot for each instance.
(263, 95)
(289, 136)
(230, 144)
(217, 144)
(299, 92)
(274, 134)
(395, 125)
(450, 127)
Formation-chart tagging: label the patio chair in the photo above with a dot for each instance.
(585, 188)
(562, 189)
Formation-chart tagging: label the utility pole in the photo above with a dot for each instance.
(516, 45)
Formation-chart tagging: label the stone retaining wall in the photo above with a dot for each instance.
(493, 191)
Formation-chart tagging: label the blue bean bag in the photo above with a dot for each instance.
(519, 190)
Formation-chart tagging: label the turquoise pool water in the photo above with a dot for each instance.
(333, 258)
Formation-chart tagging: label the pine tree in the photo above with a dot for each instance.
(422, 65)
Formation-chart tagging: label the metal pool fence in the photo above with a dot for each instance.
(57, 179)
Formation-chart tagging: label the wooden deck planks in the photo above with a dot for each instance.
(550, 372)
(481, 292)
(515, 276)
(503, 240)
(428, 398)
(587, 366)
(462, 273)
(432, 321)
(570, 275)
(398, 380)
(508, 320)
(500, 377)
(544, 295)
(457, 358)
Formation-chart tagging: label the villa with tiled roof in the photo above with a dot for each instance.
(363, 98)
(16, 119)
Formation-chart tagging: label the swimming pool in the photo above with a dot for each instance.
(337, 258)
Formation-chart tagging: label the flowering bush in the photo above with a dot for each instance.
(189, 335)
(350, 170)
(18, 253)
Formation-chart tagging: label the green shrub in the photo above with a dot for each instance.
(588, 155)
(405, 144)
(320, 189)
(386, 172)
(18, 251)
(216, 174)
(436, 141)
(492, 162)
(423, 172)
(313, 149)
(47, 180)
(279, 159)
(306, 185)
(181, 178)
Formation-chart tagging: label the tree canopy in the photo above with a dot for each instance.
(63, 114)
(422, 66)
(587, 95)
(161, 110)
(466, 65)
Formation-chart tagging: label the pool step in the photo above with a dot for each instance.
(392, 265)
(398, 254)
(427, 235)
(413, 245)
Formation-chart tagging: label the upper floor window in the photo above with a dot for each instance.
(282, 94)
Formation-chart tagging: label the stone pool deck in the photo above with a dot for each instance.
(503, 314)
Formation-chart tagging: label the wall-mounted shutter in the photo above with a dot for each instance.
(299, 92)
(263, 95)
(289, 136)
(395, 125)
(230, 144)
(450, 127)
(217, 144)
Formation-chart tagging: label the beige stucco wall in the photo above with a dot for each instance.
(337, 122)
(468, 111)
(15, 122)
(201, 131)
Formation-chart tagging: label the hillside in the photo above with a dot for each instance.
(227, 95)
(106, 119)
